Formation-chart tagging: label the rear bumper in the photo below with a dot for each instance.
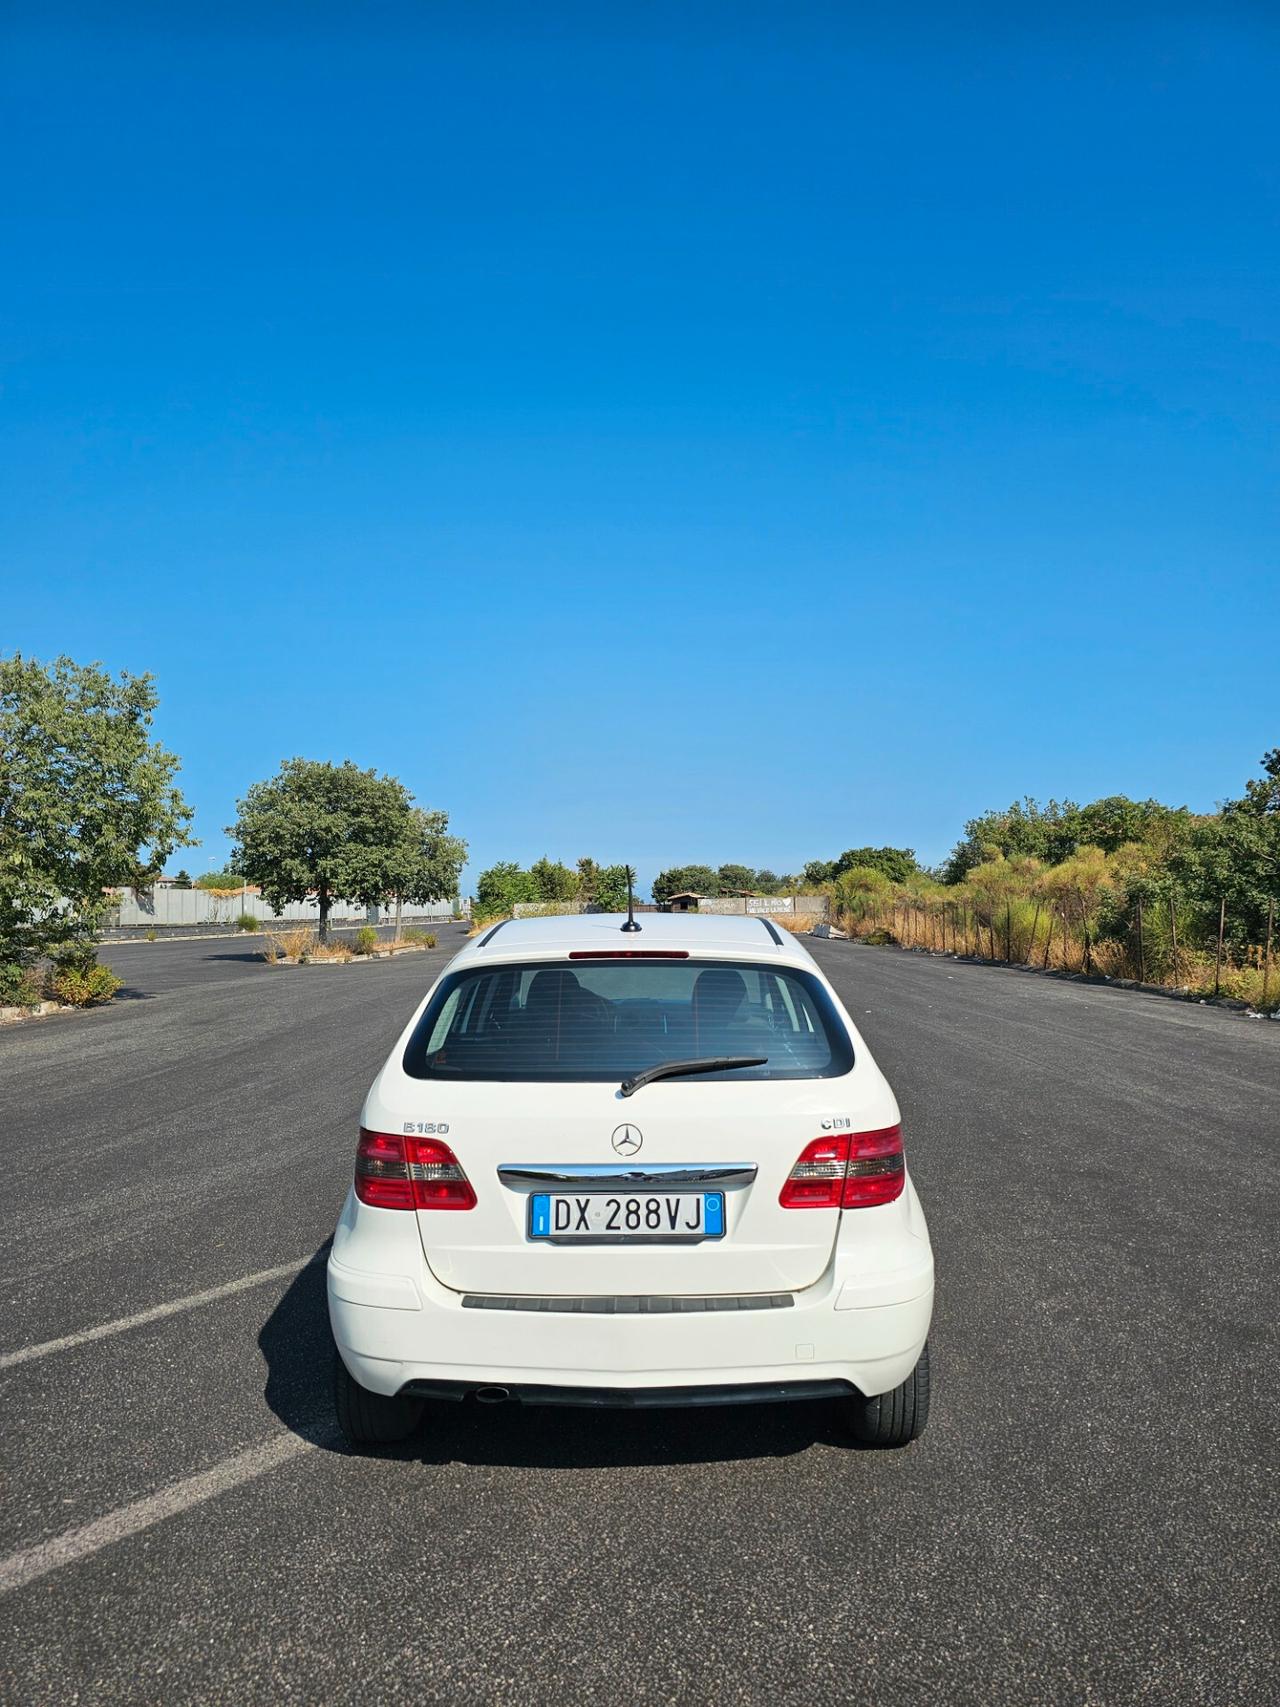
(634, 1398)
(862, 1326)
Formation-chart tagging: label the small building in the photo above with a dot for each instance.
(685, 902)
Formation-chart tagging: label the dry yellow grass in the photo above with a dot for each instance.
(331, 952)
(291, 944)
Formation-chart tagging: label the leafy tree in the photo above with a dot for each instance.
(426, 861)
(1236, 856)
(553, 881)
(611, 888)
(182, 879)
(88, 800)
(733, 877)
(500, 887)
(897, 864)
(698, 879)
(220, 880)
(1054, 832)
(1110, 823)
(332, 830)
(1045, 833)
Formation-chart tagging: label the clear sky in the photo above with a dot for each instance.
(664, 433)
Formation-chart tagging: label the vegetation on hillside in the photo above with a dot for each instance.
(549, 883)
(1123, 888)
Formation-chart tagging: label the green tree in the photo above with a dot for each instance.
(426, 862)
(331, 830)
(611, 888)
(1236, 857)
(1112, 822)
(1047, 833)
(220, 880)
(88, 801)
(897, 864)
(500, 887)
(698, 879)
(553, 881)
(182, 879)
(733, 877)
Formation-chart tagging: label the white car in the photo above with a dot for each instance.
(610, 1163)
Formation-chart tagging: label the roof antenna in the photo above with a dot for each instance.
(631, 924)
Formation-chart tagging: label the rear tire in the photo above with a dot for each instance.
(371, 1419)
(895, 1418)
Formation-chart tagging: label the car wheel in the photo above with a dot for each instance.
(371, 1419)
(895, 1418)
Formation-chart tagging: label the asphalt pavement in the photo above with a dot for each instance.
(1090, 1518)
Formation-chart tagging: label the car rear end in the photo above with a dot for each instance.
(524, 1225)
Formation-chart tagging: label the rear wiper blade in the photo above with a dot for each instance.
(677, 1069)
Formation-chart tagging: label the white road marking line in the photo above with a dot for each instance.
(34, 1562)
(193, 1301)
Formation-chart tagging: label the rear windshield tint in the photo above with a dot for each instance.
(610, 1019)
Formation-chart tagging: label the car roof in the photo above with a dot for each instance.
(701, 935)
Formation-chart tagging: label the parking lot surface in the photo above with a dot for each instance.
(1088, 1520)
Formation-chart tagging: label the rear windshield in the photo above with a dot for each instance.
(610, 1019)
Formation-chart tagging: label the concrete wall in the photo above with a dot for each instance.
(789, 906)
(186, 907)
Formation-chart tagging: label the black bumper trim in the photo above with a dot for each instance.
(631, 1398)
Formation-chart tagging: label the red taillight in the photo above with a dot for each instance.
(851, 1171)
(817, 1179)
(877, 1170)
(410, 1173)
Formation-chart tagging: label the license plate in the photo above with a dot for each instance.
(626, 1216)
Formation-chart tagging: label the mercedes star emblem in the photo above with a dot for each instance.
(627, 1140)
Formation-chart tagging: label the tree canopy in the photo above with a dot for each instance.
(553, 881)
(679, 879)
(506, 884)
(88, 800)
(1055, 831)
(897, 864)
(341, 833)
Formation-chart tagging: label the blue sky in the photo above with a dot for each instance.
(665, 437)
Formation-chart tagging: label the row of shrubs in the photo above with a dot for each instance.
(1078, 916)
(301, 944)
(75, 977)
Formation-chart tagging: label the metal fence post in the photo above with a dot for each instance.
(1266, 964)
(1222, 921)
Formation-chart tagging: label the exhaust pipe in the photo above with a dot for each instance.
(492, 1395)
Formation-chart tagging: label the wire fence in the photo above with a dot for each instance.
(1169, 943)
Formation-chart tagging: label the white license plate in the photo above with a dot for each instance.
(629, 1215)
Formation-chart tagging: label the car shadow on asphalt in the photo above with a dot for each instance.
(298, 1348)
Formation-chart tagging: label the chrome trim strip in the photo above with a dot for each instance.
(595, 1176)
(651, 1305)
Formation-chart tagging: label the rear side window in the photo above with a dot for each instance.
(551, 1021)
